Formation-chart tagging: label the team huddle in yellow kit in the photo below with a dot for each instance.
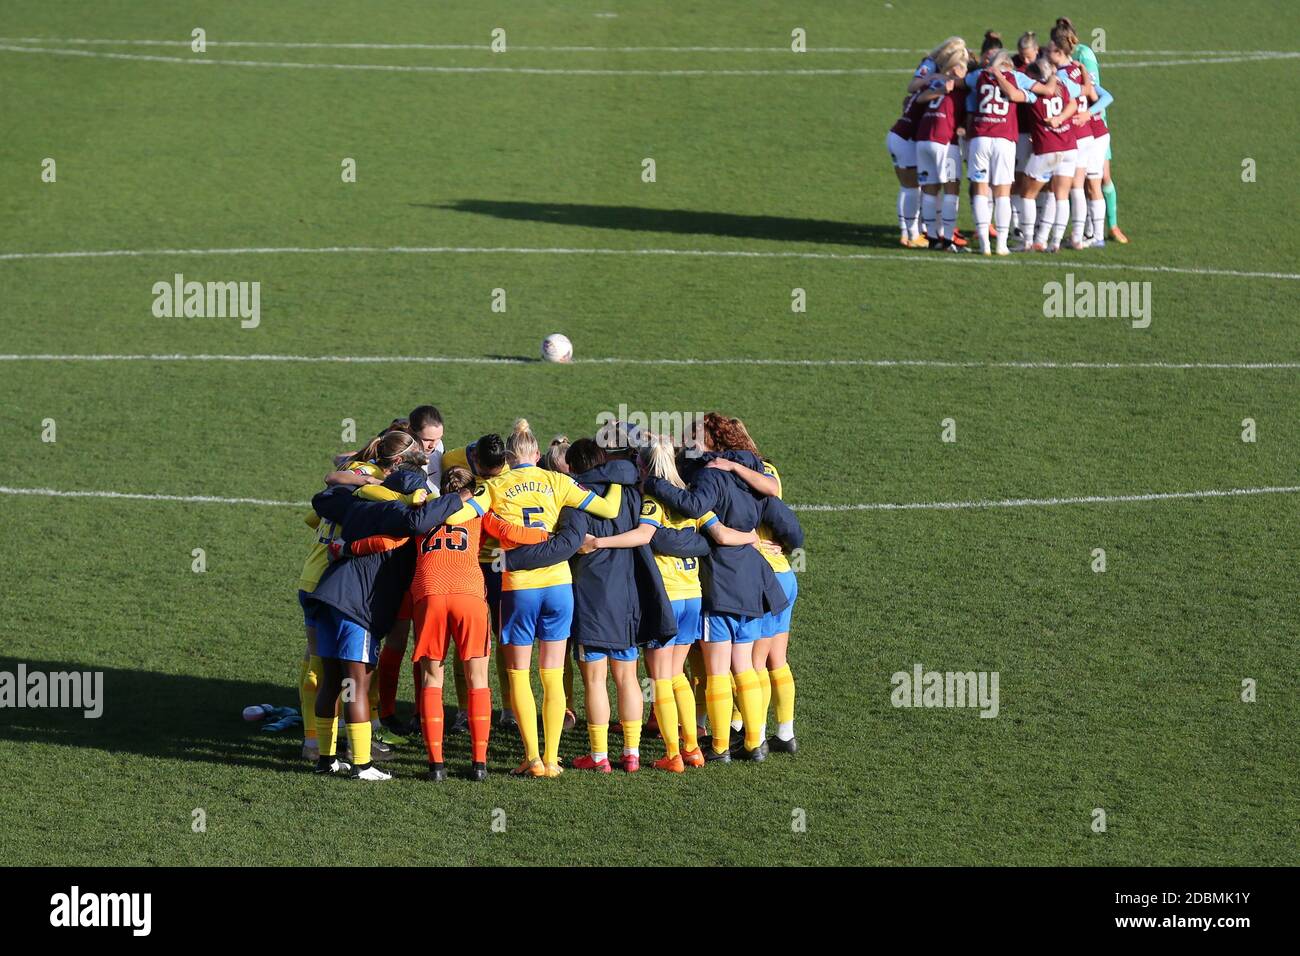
(600, 542)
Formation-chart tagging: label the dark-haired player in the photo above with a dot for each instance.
(485, 458)
(449, 604)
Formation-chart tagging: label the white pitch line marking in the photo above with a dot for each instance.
(796, 363)
(135, 496)
(1052, 502)
(1249, 58)
(565, 71)
(977, 261)
(486, 48)
(417, 68)
(880, 506)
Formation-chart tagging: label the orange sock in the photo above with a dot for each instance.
(390, 669)
(480, 721)
(431, 721)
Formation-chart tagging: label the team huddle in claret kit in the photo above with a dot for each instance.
(622, 546)
(1030, 128)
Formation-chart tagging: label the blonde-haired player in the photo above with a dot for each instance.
(538, 604)
(938, 60)
(674, 703)
(1054, 155)
(776, 681)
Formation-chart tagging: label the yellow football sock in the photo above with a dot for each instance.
(751, 704)
(631, 736)
(307, 699)
(315, 674)
(552, 710)
(666, 715)
(718, 697)
(765, 689)
(359, 743)
(736, 715)
(686, 714)
(598, 735)
(525, 709)
(695, 667)
(783, 694)
(373, 696)
(327, 732)
(568, 680)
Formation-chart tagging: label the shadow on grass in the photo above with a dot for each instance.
(687, 222)
(187, 717)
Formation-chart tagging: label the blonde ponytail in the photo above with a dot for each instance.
(950, 51)
(522, 443)
(659, 459)
(554, 459)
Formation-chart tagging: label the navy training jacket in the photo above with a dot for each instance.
(619, 599)
(368, 589)
(737, 579)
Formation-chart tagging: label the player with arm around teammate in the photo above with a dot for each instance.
(613, 609)
(937, 61)
(779, 534)
(938, 158)
(390, 450)
(449, 604)
(1053, 159)
(995, 132)
(900, 141)
(357, 599)
(674, 701)
(739, 588)
(1100, 131)
(537, 604)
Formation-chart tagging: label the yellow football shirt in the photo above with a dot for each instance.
(681, 576)
(531, 497)
(488, 546)
(324, 532)
(779, 562)
(456, 458)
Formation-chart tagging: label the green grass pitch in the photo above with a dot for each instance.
(1119, 691)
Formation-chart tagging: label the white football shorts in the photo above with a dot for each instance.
(901, 151)
(937, 163)
(992, 161)
(1097, 155)
(1044, 166)
(1024, 149)
(1083, 149)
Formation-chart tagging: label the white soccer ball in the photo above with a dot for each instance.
(557, 348)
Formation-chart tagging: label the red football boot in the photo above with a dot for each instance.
(588, 762)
